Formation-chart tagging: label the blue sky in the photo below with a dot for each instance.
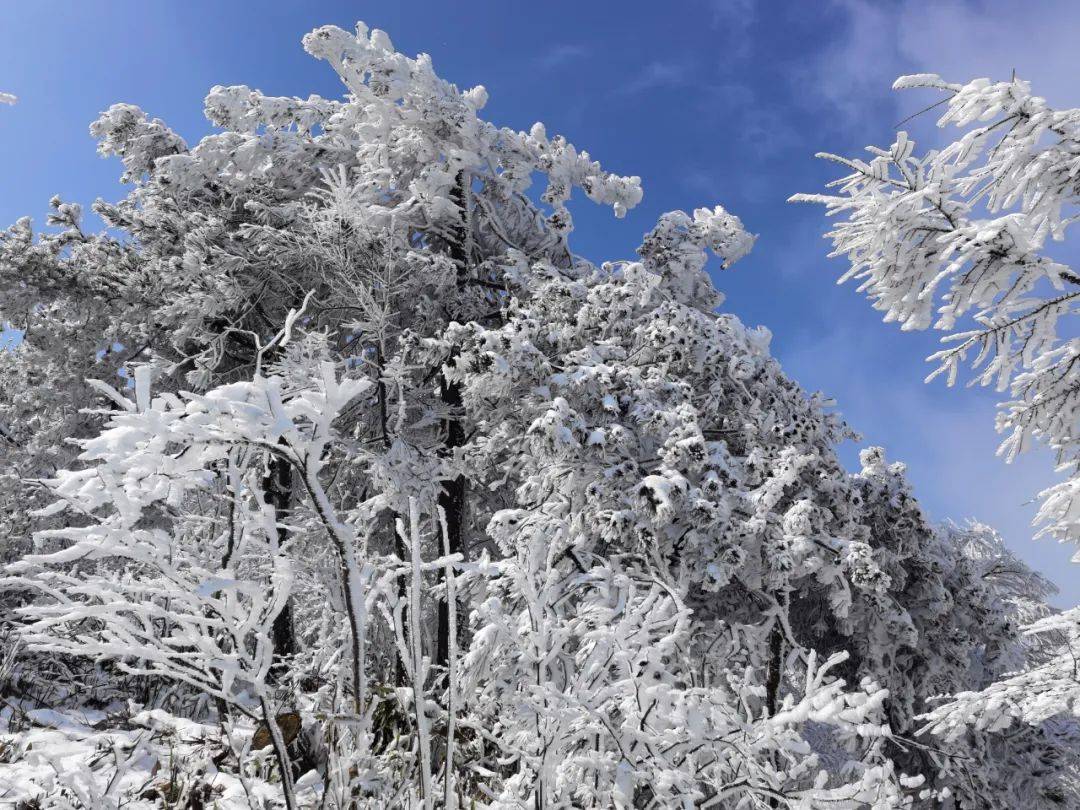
(709, 101)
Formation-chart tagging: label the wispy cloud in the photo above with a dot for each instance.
(560, 55)
(962, 40)
(8, 98)
(959, 39)
(860, 65)
(733, 19)
(709, 186)
(762, 127)
(657, 74)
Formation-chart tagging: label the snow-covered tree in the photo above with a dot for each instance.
(959, 240)
(964, 232)
(457, 516)
(949, 618)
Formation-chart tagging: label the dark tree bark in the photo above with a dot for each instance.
(772, 678)
(452, 502)
(278, 489)
(452, 494)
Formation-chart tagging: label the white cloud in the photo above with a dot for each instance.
(862, 64)
(733, 19)
(658, 74)
(762, 127)
(947, 436)
(560, 55)
(964, 40)
(959, 39)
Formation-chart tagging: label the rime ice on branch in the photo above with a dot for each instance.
(964, 232)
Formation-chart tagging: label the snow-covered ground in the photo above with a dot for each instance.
(98, 759)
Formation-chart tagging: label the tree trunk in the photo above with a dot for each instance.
(278, 489)
(277, 741)
(452, 494)
(772, 679)
(397, 542)
(452, 502)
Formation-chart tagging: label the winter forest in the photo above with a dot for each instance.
(331, 476)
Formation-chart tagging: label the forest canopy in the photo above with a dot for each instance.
(331, 476)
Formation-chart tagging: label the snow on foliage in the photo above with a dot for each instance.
(964, 232)
(403, 503)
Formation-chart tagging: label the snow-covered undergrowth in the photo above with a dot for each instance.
(88, 758)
